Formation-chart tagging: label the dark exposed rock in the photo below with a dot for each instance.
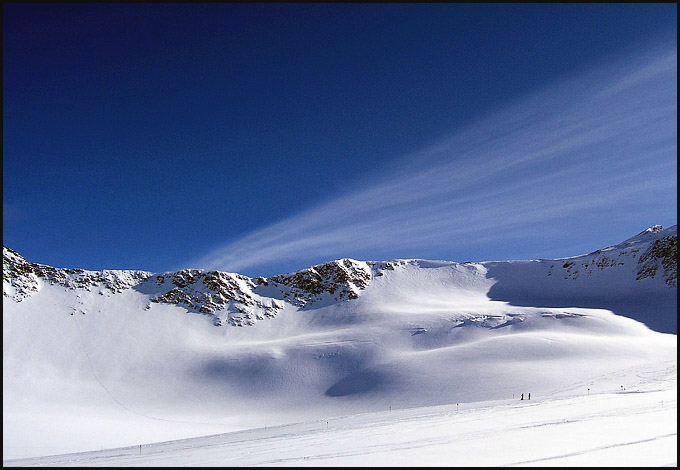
(341, 278)
(663, 253)
(19, 274)
(25, 277)
(228, 297)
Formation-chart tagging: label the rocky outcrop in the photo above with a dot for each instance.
(240, 300)
(227, 297)
(662, 254)
(22, 279)
(340, 280)
(648, 253)
(18, 277)
(597, 260)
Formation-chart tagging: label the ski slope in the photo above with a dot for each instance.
(372, 378)
(632, 427)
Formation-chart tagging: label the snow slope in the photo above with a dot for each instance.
(631, 278)
(95, 360)
(639, 424)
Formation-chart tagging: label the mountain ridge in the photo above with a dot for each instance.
(240, 300)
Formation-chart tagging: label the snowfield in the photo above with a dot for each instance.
(420, 363)
(617, 428)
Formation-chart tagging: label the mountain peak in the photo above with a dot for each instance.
(650, 234)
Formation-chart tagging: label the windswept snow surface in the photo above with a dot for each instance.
(92, 370)
(632, 427)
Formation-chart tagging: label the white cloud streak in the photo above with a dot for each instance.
(604, 139)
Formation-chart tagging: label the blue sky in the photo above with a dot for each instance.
(265, 138)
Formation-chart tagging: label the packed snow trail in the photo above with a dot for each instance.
(607, 429)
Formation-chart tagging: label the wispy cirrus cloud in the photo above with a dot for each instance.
(605, 141)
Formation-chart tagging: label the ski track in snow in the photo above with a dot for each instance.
(645, 421)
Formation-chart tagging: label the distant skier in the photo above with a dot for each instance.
(522, 397)
(529, 396)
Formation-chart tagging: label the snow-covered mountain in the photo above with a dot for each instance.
(104, 358)
(636, 278)
(605, 276)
